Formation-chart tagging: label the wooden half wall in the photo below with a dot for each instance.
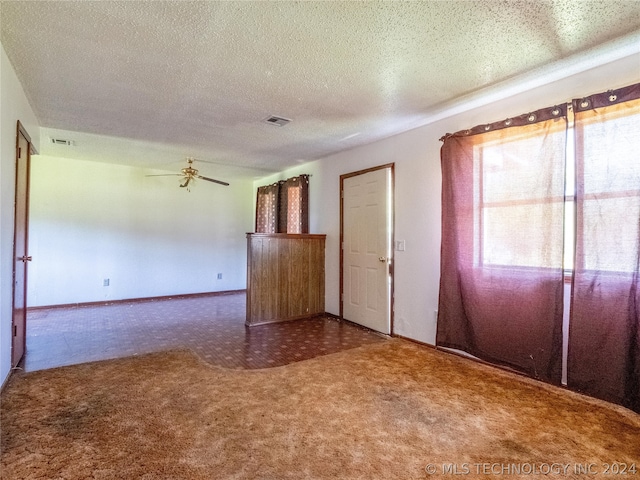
(285, 277)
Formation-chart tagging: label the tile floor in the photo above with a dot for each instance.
(212, 326)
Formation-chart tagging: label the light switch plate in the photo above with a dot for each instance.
(400, 245)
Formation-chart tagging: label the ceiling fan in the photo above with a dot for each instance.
(189, 174)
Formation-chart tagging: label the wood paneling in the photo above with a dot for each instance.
(285, 277)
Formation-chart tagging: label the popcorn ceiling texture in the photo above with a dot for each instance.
(202, 75)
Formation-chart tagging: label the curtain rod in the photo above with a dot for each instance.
(280, 181)
(609, 97)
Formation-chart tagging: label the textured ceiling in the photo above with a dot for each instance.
(198, 78)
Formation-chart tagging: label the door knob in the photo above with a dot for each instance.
(383, 259)
(24, 258)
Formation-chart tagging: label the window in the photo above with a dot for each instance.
(517, 195)
(604, 343)
(531, 201)
(506, 213)
(501, 282)
(610, 183)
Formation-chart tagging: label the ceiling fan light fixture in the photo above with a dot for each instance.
(189, 175)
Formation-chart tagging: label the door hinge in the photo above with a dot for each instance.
(15, 330)
(19, 152)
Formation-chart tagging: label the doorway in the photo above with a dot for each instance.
(366, 254)
(20, 245)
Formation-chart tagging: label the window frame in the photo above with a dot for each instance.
(480, 206)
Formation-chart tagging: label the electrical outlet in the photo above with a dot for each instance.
(105, 282)
(219, 276)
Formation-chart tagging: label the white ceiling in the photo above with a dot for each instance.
(183, 78)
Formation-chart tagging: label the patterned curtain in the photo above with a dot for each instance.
(294, 205)
(283, 207)
(267, 209)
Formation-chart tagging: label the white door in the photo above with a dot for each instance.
(366, 252)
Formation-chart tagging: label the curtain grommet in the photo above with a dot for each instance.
(584, 103)
(532, 117)
(508, 122)
(555, 112)
(613, 97)
(487, 127)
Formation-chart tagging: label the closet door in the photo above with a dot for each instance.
(20, 247)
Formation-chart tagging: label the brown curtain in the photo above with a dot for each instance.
(294, 205)
(267, 209)
(604, 337)
(283, 207)
(501, 283)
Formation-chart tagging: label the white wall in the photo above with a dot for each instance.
(416, 155)
(92, 221)
(14, 106)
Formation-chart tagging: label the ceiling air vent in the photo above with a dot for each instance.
(278, 121)
(62, 141)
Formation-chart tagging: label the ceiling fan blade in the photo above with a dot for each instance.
(186, 183)
(212, 180)
(165, 175)
(207, 161)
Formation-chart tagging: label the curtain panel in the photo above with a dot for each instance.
(283, 207)
(267, 209)
(501, 283)
(293, 214)
(604, 331)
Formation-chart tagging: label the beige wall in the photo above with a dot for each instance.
(416, 155)
(109, 221)
(14, 106)
(92, 221)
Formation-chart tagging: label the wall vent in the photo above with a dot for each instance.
(277, 121)
(62, 141)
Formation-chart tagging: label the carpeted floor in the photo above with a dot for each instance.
(391, 410)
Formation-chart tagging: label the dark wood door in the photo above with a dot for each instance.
(20, 246)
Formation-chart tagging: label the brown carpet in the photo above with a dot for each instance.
(382, 411)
